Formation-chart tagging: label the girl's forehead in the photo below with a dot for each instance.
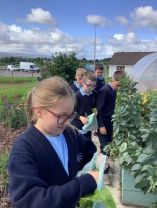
(66, 101)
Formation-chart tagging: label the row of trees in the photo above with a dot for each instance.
(16, 60)
(41, 60)
(62, 64)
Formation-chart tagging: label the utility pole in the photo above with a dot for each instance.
(94, 44)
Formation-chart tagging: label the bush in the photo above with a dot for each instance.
(63, 65)
(13, 114)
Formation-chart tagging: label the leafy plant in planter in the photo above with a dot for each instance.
(126, 124)
(145, 168)
(134, 137)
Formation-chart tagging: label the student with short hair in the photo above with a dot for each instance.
(100, 82)
(85, 102)
(99, 73)
(105, 105)
(78, 79)
(46, 158)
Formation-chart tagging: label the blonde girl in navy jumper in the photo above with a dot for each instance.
(45, 160)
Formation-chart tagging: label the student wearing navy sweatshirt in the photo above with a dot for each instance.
(105, 104)
(45, 160)
(85, 102)
(99, 73)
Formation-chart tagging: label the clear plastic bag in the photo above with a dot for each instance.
(92, 123)
(98, 162)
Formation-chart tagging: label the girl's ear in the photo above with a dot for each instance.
(38, 111)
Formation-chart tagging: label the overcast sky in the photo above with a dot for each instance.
(48, 26)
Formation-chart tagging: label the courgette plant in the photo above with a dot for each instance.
(145, 168)
(135, 136)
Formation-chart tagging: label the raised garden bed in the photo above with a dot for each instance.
(132, 195)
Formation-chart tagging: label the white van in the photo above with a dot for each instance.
(12, 68)
(29, 66)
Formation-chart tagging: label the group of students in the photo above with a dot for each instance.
(45, 159)
(92, 92)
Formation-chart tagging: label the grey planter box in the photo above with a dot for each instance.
(132, 195)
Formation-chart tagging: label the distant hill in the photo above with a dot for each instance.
(7, 54)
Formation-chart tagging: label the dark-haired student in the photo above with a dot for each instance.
(105, 104)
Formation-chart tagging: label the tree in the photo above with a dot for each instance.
(63, 65)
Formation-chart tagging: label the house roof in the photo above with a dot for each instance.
(127, 58)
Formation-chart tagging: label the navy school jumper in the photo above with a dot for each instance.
(74, 87)
(105, 104)
(37, 178)
(83, 107)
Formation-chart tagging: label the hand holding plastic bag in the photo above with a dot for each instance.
(95, 201)
(98, 162)
(92, 123)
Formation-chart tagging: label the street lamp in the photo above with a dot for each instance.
(94, 43)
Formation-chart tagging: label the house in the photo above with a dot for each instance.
(125, 61)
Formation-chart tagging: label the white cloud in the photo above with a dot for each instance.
(4, 37)
(122, 20)
(34, 41)
(41, 16)
(118, 37)
(124, 39)
(130, 42)
(145, 17)
(16, 39)
(97, 20)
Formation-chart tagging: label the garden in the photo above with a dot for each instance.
(134, 144)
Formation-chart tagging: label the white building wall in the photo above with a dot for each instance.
(128, 69)
(113, 68)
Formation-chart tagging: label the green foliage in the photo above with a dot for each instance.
(12, 93)
(63, 65)
(127, 123)
(146, 174)
(11, 88)
(13, 114)
(135, 135)
(3, 169)
(154, 205)
(101, 197)
(16, 80)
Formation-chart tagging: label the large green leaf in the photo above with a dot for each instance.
(103, 196)
(142, 158)
(136, 167)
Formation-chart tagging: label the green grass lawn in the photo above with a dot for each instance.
(11, 88)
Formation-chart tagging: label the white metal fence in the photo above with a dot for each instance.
(6, 73)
